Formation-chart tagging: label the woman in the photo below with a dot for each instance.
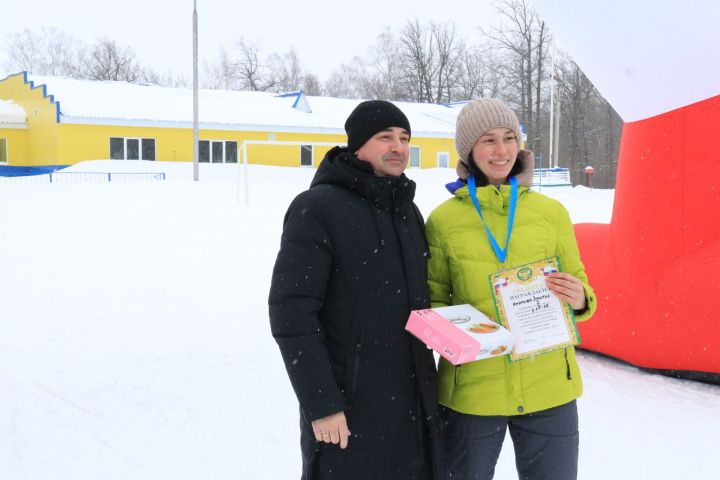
(535, 397)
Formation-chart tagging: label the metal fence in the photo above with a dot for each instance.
(83, 177)
(551, 177)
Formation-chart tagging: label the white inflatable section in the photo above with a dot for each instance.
(646, 57)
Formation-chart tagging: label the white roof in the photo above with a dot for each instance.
(120, 103)
(11, 113)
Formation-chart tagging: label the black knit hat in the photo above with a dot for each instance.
(369, 118)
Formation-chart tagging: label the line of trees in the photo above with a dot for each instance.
(49, 51)
(420, 62)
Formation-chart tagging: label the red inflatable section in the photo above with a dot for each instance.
(656, 266)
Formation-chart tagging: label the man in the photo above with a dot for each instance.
(351, 266)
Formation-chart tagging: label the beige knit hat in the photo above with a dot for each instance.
(479, 116)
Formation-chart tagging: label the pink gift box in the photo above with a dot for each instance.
(460, 333)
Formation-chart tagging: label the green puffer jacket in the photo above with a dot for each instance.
(460, 264)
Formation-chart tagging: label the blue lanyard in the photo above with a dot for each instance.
(500, 253)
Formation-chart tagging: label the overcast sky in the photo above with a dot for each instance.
(325, 33)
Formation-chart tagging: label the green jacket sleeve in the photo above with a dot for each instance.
(439, 280)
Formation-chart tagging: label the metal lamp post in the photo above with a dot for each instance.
(196, 137)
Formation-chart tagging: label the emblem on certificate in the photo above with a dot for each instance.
(540, 321)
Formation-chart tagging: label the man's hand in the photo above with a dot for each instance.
(567, 288)
(332, 429)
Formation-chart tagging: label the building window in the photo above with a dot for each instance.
(117, 149)
(148, 149)
(443, 159)
(3, 150)
(132, 148)
(415, 157)
(231, 152)
(218, 151)
(306, 155)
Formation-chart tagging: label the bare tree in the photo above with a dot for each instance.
(221, 74)
(168, 79)
(108, 60)
(479, 74)
(430, 61)
(449, 53)
(285, 71)
(47, 52)
(417, 62)
(24, 51)
(65, 54)
(590, 127)
(311, 84)
(347, 81)
(524, 38)
(382, 78)
(613, 132)
(249, 69)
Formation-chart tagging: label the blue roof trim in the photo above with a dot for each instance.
(297, 96)
(44, 89)
(454, 104)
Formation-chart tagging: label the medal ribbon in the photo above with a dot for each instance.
(501, 253)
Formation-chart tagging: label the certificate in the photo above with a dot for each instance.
(540, 321)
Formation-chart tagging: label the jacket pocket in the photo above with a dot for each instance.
(353, 369)
(568, 373)
(353, 373)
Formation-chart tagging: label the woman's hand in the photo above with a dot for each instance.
(568, 288)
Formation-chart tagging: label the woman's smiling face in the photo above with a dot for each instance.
(495, 153)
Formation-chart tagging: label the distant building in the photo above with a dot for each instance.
(60, 121)
(13, 131)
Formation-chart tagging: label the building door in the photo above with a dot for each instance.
(443, 159)
(3, 151)
(414, 157)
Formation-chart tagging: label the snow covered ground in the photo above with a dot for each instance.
(134, 340)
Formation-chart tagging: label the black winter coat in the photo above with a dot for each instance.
(351, 266)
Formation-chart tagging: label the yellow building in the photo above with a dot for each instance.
(67, 121)
(13, 132)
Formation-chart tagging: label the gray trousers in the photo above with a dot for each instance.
(546, 444)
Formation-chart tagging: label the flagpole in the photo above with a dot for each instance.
(196, 136)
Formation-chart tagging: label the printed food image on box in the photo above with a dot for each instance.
(460, 333)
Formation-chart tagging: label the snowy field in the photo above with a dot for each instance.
(134, 339)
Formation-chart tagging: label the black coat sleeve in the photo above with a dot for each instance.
(299, 282)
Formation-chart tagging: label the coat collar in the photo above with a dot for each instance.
(340, 167)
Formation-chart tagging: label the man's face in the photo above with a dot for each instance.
(387, 151)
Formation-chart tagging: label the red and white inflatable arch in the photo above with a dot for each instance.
(656, 266)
